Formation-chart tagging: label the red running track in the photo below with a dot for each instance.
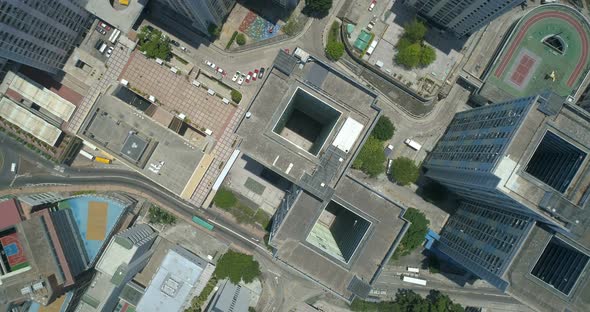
(581, 61)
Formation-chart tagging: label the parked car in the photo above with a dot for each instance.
(110, 51)
(175, 43)
(213, 65)
(261, 74)
(98, 44)
(371, 25)
(101, 30)
(248, 77)
(372, 6)
(241, 80)
(255, 75)
(208, 63)
(105, 26)
(236, 76)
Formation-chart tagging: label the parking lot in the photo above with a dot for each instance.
(98, 33)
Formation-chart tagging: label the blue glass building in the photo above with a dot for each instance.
(522, 171)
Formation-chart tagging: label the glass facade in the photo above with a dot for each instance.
(41, 33)
(463, 17)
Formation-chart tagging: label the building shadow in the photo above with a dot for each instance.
(436, 36)
(173, 23)
(437, 194)
(268, 10)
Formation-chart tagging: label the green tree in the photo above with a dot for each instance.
(154, 44)
(404, 171)
(334, 50)
(409, 56)
(403, 43)
(214, 30)
(159, 215)
(236, 96)
(317, 7)
(237, 266)
(225, 199)
(241, 39)
(415, 235)
(371, 158)
(383, 129)
(427, 55)
(415, 31)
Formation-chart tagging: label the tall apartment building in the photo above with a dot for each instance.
(41, 34)
(127, 253)
(522, 169)
(462, 17)
(202, 13)
(286, 3)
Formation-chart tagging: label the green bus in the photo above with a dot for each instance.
(203, 223)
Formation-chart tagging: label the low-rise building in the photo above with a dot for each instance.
(181, 276)
(126, 254)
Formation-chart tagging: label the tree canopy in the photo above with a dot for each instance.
(334, 48)
(317, 7)
(214, 30)
(411, 49)
(159, 215)
(371, 158)
(415, 235)
(241, 39)
(404, 171)
(384, 129)
(415, 31)
(225, 199)
(154, 44)
(236, 96)
(237, 266)
(407, 300)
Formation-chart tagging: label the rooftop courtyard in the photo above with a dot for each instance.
(548, 48)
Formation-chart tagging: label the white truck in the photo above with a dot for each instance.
(413, 144)
(412, 280)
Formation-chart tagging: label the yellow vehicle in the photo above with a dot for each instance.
(103, 160)
(124, 2)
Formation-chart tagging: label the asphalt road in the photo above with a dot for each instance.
(285, 280)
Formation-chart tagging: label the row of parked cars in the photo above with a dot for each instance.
(251, 76)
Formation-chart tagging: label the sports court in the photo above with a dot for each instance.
(14, 251)
(547, 49)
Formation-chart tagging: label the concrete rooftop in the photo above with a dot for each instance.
(108, 125)
(386, 226)
(272, 150)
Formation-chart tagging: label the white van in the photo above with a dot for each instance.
(413, 144)
(13, 167)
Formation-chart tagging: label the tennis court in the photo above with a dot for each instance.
(547, 49)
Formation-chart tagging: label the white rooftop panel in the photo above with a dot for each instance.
(43, 97)
(348, 135)
(30, 123)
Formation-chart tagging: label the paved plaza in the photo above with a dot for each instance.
(114, 66)
(177, 94)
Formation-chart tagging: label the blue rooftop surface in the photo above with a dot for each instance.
(79, 207)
